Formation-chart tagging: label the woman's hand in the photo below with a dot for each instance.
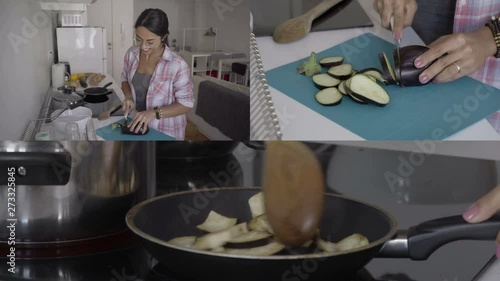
(460, 54)
(141, 120)
(403, 12)
(128, 105)
(484, 208)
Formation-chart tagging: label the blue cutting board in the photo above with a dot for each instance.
(433, 111)
(108, 134)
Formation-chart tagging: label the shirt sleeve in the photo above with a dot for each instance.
(183, 86)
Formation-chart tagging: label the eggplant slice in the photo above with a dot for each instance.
(331, 61)
(363, 88)
(350, 94)
(256, 204)
(324, 80)
(387, 70)
(216, 222)
(341, 88)
(329, 97)
(374, 73)
(342, 72)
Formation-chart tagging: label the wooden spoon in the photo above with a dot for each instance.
(293, 187)
(296, 28)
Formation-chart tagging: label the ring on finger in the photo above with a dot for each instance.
(459, 69)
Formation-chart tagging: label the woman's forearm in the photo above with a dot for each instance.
(174, 109)
(126, 90)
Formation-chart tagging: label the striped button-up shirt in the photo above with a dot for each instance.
(471, 15)
(170, 83)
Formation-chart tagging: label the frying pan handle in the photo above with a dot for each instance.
(422, 240)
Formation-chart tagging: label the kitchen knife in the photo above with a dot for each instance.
(397, 42)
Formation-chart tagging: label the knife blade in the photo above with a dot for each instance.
(397, 42)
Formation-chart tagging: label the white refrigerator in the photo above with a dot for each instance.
(84, 48)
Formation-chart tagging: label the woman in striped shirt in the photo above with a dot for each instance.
(155, 80)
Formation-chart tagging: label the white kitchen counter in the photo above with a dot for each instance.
(296, 119)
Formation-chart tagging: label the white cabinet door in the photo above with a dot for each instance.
(101, 14)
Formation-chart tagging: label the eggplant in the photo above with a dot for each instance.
(329, 97)
(341, 88)
(404, 72)
(331, 61)
(347, 86)
(365, 89)
(324, 80)
(374, 73)
(342, 72)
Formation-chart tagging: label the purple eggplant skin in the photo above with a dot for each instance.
(409, 74)
(386, 74)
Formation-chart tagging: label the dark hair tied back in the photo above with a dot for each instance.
(156, 21)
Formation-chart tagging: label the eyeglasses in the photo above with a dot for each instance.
(138, 42)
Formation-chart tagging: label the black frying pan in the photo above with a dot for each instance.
(96, 94)
(159, 219)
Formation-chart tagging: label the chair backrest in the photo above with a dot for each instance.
(239, 68)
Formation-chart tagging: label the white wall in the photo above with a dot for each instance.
(123, 23)
(27, 36)
(170, 7)
(232, 23)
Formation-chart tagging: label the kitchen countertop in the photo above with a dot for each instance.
(296, 119)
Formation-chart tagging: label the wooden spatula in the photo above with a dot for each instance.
(293, 188)
(296, 28)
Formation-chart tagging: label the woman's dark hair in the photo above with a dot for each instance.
(156, 21)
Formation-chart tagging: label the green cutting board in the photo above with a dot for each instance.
(108, 134)
(430, 112)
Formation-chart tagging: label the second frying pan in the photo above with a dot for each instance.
(162, 218)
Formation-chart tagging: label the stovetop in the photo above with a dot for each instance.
(132, 264)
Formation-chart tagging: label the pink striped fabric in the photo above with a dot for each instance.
(471, 15)
(170, 83)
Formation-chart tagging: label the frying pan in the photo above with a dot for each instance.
(96, 94)
(162, 218)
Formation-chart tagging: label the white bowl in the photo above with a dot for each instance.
(79, 115)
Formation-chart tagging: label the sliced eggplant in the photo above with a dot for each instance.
(331, 61)
(183, 241)
(250, 236)
(374, 73)
(266, 250)
(329, 97)
(218, 250)
(388, 73)
(363, 88)
(342, 72)
(256, 204)
(326, 246)
(260, 223)
(216, 222)
(347, 86)
(351, 242)
(324, 80)
(341, 88)
(218, 239)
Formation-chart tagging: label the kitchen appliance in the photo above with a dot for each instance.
(58, 75)
(69, 193)
(84, 48)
